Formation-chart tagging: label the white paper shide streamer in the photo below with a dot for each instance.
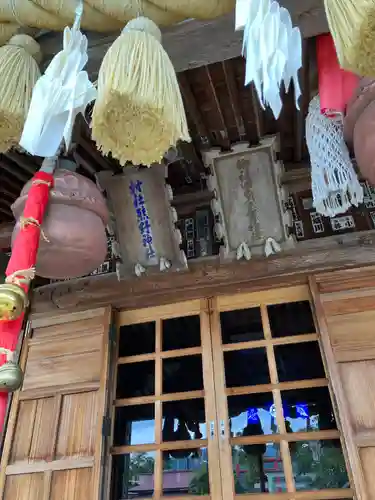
(335, 185)
(59, 95)
(272, 48)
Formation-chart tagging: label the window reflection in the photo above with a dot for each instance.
(292, 318)
(181, 333)
(258, 469)
(246, 367)
(133, 476)
(134, 425)
(242, 325)
(319, 465)
(137, 339)
(251, 415)
(299, 361)
(186, 475)
(135, 379)
(184, 420)
(307, 410)
(182, 374)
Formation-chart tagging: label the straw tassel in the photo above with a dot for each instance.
(139, 113)
(352, 25)
(19, 72)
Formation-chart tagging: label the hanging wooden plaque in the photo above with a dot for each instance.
(248, 201)
(145, 220)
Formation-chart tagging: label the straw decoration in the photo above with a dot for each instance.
(352, 25)
(19, 73)
(139, 113)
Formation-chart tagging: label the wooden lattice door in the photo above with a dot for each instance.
(225, 398)
(53, 446)
(278, 433)
(164, 409)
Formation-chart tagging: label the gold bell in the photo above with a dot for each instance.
(13, 301)
(11, 377)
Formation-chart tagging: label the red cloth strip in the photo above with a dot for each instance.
(336, 86)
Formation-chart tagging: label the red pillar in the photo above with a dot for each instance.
(23, 259)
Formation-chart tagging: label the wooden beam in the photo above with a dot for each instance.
(204, 279)
(299, 115)
(5, 235)
(92, 152)
(82, 161)
(192, 107)
(6, 211)
(13, 170)
(222, 136)
(187, 203)
(296, 180)
(230, 80)
(27, 163)
(193, 43)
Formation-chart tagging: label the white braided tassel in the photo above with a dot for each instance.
(335, 185)
(243, 252)
(164, 264)
(139, 270)
(271, 247)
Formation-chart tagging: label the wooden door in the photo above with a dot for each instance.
(278, 433)
(163, 433)
(345, 306)
(53, 444)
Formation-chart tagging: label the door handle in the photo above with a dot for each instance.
(222, 429)
(212, 429)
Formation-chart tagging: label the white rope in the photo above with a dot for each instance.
(335, 186)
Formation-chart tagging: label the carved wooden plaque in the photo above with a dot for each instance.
(248, 203)
(145, 220)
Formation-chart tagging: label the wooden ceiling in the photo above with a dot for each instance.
(220, 112)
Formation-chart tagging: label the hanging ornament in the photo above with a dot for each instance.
(336, 86)
(272, 48)
(352, 25)
(19, 273)
(139, 113)
(73, 241)
(19, 60)
(11, 375)
(335, 186)
(59, 95)
(21, 267)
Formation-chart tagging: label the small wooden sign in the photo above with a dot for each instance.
(145, 220)
(248, 203)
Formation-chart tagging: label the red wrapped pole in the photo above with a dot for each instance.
(336, 86)
(21, 265)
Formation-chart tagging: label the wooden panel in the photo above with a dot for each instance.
(35, 424)
(344, 304)
(32, 485)
(53, 444)
(358, 379)
(352, 335)
(74, 364)
(79, 328)
(78, 421)
(72, 485)
(368, 462)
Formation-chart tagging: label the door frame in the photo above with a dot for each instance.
(158, 314)
(216, 403)
(262, 300)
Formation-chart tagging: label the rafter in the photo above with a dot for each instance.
(230, 80)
